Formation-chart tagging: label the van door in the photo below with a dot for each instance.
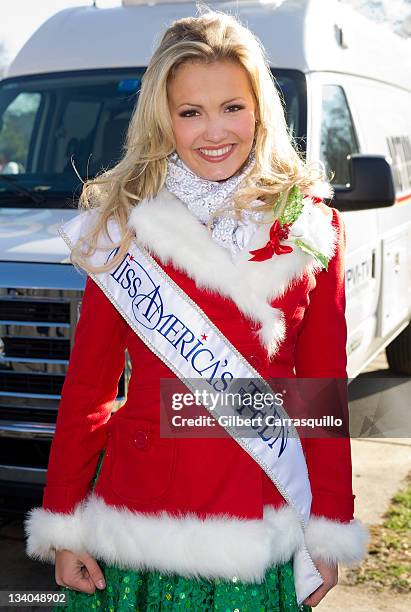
(334, 134)
(387, 130)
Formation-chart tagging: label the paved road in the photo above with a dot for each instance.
(374, 460)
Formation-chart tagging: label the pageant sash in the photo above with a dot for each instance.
(187, 341)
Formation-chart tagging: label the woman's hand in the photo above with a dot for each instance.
(78, 571)
(330, 577)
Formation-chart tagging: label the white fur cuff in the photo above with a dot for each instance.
(48, 531)
(335, 542)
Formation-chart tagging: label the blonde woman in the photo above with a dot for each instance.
(210, 257)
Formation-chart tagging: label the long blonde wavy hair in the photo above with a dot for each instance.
(279, 165)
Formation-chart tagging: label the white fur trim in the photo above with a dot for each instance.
(336, 542)
(165, 226)
(215, 547)
(220, 546)
(320, 189)
(46, 531)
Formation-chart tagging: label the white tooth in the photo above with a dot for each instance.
(216, 153)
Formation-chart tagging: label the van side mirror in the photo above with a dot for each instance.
(372, 184)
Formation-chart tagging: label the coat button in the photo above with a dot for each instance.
(140, 439)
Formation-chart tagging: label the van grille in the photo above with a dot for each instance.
(36, 328)
(46, 348)
(31, 384)
(49, 311)
(36, 333)
(39, 308)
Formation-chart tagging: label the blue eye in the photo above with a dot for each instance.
(236, 106)
(187, 113)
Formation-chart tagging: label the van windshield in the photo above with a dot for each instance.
(51, 122)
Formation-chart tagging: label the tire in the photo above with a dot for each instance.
(399, 353)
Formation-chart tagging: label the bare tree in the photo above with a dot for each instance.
(395, 13)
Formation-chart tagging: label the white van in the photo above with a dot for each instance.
(69, 93)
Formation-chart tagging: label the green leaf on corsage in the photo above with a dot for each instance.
(294, 206)
(322, 259)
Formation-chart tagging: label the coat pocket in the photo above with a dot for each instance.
(142, 462)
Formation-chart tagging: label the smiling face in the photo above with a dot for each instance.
(213, 117)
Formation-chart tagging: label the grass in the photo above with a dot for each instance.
(388, 563)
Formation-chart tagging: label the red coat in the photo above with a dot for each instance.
(199, 505)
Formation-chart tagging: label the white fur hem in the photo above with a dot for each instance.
(214, 547)
(336, 542)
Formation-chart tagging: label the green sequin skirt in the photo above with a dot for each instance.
(152, 591)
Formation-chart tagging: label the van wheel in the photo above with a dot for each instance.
(399, 353)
